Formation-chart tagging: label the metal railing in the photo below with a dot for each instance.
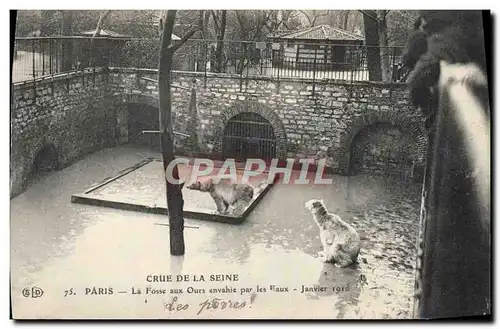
(455, 217)
(36, 57)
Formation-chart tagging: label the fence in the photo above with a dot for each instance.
(455, 217)
(36, 57)
(47, 56)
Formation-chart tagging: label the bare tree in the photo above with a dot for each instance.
(251, 25)
(100, 22)
(345, 19)
(370, 21)
(203, 20)
(312, 16)
(279, 19)
(384, 44)
(175, 201)
(67, 45)
(97, 31)
(219, 19)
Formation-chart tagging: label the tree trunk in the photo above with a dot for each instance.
(243, 57)
(192, 121)
(346, 19)
(47, 16)
(372, 41)
(67, 45)
(220, 43)
(384, 50)
(93, 54)
(203, 49)
(175, 202)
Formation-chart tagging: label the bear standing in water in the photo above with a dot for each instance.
(341, 242)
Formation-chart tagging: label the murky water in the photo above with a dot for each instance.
(58, 245)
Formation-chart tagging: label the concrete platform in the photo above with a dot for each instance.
(141, 187)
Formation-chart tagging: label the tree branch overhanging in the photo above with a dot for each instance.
(315, 17)
(96, 33)
(185, 38)
(369, 15)
(99, 23)
(214, 16)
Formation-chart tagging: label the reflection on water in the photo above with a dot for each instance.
(277, 244)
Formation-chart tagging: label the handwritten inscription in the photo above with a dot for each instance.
(216, 303)
(208, 304)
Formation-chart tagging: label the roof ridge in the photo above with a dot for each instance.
(310, 29)
(323, 31)
(351, 34)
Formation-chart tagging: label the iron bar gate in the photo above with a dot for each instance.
(249, 135)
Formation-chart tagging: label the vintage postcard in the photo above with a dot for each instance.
(250, 164)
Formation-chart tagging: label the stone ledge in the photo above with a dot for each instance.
(56, 77)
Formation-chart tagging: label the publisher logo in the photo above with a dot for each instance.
(292, 171)
(33, 292)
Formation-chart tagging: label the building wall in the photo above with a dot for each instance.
(79, 115)
(72, 113)
(309, 120)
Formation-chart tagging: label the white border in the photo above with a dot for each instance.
(185, 4)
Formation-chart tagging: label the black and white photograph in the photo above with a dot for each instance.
(227, 164)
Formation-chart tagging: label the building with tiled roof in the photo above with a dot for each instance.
(316, 33)
(322, 47)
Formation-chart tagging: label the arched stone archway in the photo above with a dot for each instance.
(249, 135)
(253, 107)
(46, 158)
(122, 103)
(407, 125)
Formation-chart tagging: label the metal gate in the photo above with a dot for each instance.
(249, 135)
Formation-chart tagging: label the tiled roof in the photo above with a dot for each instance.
(320, 32)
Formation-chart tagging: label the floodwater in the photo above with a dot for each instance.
(136, 187)
(91, 262)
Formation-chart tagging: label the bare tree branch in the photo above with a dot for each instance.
(214, 16)
(185, 38)
(307, 16)
(99, 23)
(346, 19)
(96, 33)
(315, 17)
(320, 15)
(369, 15)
